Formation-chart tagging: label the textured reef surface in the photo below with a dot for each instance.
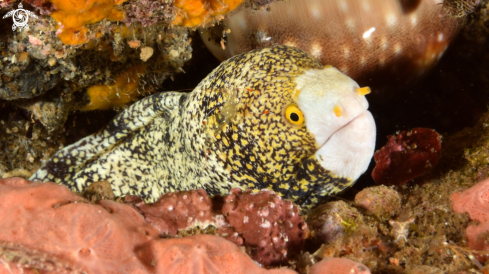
(423, 209)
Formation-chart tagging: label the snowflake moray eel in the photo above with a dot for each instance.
(270, 118)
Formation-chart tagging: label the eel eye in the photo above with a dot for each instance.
(294, 115)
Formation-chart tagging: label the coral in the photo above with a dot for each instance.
(407, 155)
(73, 16)
(121, 92)
(380, 201)
(34, 62)
(438, 102)
(270, 226)
(475, 201)
(195, 13)
(271, 229)
(178, 210)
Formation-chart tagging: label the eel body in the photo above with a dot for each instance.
(270, 118)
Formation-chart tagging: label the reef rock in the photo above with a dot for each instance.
(380, 201)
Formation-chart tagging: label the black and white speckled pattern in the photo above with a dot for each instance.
(229, 132)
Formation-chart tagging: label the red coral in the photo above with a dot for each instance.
(474, 201)
(179, 210)
(269, 225)
(406, 156)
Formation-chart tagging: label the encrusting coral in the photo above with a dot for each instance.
(44, 227)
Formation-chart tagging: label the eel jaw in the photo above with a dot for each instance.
(348, 152)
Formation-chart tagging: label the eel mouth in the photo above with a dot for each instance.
(349, 150)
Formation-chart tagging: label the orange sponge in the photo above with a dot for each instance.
(194, 13)
(73, 16)
(124, 90)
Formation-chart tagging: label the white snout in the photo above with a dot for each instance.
(336, 114)
(349, 150)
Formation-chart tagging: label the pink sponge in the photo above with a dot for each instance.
(46, 227)
(338, 266)
(54, 221)
(474, 201)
